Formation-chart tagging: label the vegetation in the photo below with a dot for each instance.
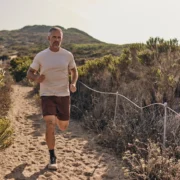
(2, 72)
(31, 39)
(5, 133)
(19, 67)
(145, 73)
(84, 52)
(5, 89)
(147, 161)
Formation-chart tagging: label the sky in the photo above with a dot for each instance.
(111, 21)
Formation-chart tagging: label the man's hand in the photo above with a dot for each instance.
(72, 88)
(40, 78)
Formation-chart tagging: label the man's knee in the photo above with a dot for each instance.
(50, 122)
(63, 125)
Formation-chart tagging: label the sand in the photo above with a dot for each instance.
(78, 156)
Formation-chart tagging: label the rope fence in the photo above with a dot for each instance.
(117, 95)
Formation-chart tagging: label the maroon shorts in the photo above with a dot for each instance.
(58, 106)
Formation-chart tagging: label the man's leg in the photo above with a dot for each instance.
(63, 112)
(50, 139)
(50, 131)
(62, 124)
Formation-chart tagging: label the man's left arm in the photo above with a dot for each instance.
(74, 78)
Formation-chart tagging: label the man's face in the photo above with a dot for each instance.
(55, 39)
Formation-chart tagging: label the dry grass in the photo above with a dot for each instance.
(5, 103)
(149, 161)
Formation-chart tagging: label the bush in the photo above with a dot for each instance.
(5, 89)
(148, 161)
(146, 57)
(5, 133)
(5, 102)
(2, 73)
(19, 67)
(153, 79)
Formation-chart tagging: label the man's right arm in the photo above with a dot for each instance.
(32, 75)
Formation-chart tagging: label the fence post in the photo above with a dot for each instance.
(116, 107)
(165, 123)
(141, 114)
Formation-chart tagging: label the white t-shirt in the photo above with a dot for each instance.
(55, 66)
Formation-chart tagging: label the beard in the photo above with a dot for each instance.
(56, 44)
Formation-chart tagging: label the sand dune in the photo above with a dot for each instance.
(79, 158)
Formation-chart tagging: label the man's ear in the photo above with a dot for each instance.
(48, 38)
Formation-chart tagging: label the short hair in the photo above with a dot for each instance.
(55, 29)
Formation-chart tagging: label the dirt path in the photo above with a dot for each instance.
(78, 156)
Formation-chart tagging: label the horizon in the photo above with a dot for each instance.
(80, 30)
(116, 22)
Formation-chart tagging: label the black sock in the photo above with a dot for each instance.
(51, 152)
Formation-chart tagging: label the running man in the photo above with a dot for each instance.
(55, 65)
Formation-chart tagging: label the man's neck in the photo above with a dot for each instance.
(54, 49)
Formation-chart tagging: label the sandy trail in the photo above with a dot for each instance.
(79, 158)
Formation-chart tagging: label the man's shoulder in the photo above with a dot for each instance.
(65, 51)
(41, 53)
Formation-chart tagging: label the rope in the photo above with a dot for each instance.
(140, 107)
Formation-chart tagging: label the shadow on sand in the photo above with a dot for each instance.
(17, 173)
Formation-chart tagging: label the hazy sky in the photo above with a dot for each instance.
(112, 21)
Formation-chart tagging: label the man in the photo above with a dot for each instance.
(55, 64)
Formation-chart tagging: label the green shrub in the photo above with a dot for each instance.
(19, 67)
(146, 57)
(160, 45)
(5, 133)
(125, 59)
(2, 72)
(5, 103)
(5, 90)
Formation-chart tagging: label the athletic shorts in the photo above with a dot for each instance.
(58, 106)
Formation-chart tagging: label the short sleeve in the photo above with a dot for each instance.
(35, 64)
(72, 63)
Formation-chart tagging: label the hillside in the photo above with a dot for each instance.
(29, 40)
(34, 37)
(37, 34)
